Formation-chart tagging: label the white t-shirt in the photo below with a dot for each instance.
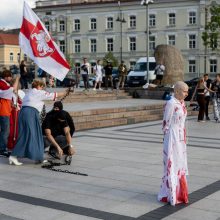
(83, 71)
(207, 93)
(160, 69)
(34, 98)
(98, 70)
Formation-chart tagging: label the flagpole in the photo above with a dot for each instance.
(16, 101)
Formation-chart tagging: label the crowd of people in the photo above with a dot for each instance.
(103, 74)
(21, 132)
(205, 91)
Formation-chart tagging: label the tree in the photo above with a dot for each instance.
(70, 60)
(211, 35)
(110, 57)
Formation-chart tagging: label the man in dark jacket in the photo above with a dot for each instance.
(58, 129)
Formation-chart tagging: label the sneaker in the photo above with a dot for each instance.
(146, 86)
(94, 89)
(201, 121)
(207, 118)
(41, 161)
(100, 89)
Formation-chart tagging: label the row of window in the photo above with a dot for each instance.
(132, 43)
(212, 67)
(192, 20)
(12, 58)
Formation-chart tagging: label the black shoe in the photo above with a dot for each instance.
(207, 118)
(68, 160)
(5, 153)
(53, 154)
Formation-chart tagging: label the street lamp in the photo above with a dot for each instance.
(121, 20)
(146, 3)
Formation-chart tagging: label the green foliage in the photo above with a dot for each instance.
(70, 60)
(110, 57)
(211, 35)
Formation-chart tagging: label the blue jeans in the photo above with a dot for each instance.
(4, 132)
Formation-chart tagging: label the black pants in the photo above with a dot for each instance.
(24, 82)
(61, 140)
(207, 100)
(202, 106)
(107, 79)
(86, 80)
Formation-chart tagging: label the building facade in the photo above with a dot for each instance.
(92, 28)
(10, 52)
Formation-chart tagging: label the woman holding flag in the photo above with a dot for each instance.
(30, 139)
(36, 42)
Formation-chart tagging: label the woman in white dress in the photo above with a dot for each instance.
(174, 184)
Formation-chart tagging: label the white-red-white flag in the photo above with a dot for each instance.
(35, 41)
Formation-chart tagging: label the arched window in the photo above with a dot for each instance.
(11, 56)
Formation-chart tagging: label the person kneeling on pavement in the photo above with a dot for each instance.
(58, 129)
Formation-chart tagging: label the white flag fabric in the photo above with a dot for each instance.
(35, 41)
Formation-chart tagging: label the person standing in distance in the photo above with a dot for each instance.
(85, 70)
(159, 71)
(216, 98)
(207, 83)
(108, 75)
(24, 75)
(98, 73)
(122, 71)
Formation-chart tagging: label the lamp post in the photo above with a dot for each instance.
(146, 3)
(205, 57)
(120, 19)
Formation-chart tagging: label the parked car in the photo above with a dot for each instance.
(67, 82)
(192, 85)
(91, 82)
(192, 82)
(138, 76)
(115, 78)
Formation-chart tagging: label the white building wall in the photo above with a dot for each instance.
(161, 9)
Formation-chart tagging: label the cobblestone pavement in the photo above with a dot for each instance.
(124, 167)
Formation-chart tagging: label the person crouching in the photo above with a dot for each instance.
(58, 129)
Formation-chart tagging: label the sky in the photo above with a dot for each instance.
(11, 13)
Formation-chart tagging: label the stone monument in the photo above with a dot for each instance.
(172, 59)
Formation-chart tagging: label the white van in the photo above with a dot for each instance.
(138, 76)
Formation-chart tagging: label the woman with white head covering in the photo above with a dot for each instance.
(174, 184)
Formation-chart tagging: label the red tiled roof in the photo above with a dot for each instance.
(9, 39)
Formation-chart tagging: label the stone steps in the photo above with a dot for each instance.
(99, 118)
(98, 109)
(92, 96)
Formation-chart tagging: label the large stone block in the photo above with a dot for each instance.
(172, 59)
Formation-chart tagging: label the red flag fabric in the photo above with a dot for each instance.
(36, 42)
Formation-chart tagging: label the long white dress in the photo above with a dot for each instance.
(174, 185)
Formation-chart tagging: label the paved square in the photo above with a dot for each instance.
(124, 167)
